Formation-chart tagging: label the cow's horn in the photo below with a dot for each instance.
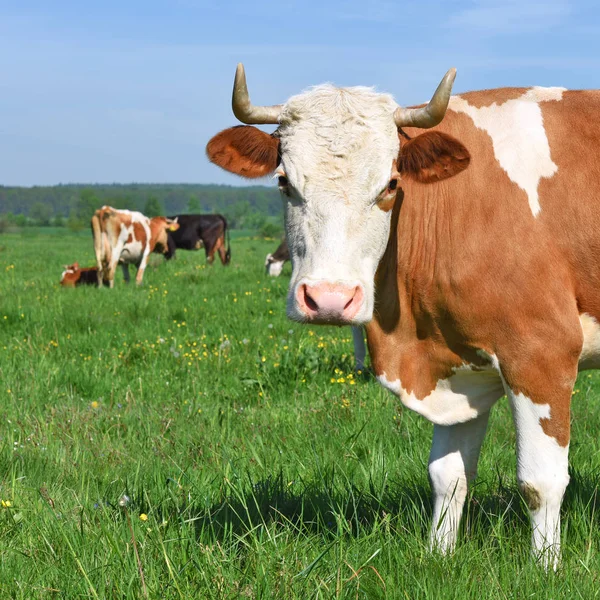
(242, 107)
(433, 113)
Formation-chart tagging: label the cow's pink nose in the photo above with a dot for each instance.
(329, 302)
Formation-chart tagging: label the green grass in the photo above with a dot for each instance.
(265, 469)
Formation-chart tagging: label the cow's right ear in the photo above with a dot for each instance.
(245, 151)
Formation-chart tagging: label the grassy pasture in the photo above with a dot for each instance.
(254, 464)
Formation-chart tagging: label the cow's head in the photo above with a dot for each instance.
(273, 266)
(159, 226)
(336, 154)
(70, 275)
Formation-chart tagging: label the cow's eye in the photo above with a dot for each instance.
(283, 181)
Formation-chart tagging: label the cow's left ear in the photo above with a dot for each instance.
(245, 151)
(432, 156)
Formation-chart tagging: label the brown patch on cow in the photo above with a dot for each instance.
(559, 429)
(432, 156)
(467, 267)
(531, 496)
(245, 151)
(484, 98)
(139, 234)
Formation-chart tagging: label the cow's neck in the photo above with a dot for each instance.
(411, 335)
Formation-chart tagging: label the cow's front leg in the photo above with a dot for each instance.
(452, 465)
(542, 469)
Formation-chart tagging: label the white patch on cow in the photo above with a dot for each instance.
(465, 395)
(134, 252)
(518, 137)
(542, 473)
(590, 352)
(338, 147)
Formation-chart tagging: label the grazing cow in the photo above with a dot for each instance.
(73, 276)
(471, 250)
(274, 264)
(127, 237)
(201, 231)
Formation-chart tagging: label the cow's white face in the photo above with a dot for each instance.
(339, 149)
(273, 267)
(336, 155)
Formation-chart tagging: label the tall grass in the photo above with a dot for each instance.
(185, 433)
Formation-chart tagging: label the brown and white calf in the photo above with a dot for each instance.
(127, 237)
(472, 251)
(274, 265)
(74, 275)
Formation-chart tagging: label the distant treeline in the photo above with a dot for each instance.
(253, 207)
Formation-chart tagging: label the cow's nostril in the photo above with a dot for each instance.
(310, 303)
(350, 301)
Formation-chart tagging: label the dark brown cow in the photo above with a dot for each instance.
(472, 251)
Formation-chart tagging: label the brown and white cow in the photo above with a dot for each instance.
(74, 275)
(472, 251)
(127, 237)
(274, 265)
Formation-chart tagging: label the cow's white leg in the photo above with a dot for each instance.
(140, 273)
(114, 261)
(360, 352)
(452, 465)
(542, 473)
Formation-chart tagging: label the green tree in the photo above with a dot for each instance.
(193, 205)
(153, 207)
(86, 205)
(74, 223)
(41, 213)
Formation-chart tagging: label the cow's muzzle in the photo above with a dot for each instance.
(329, 303)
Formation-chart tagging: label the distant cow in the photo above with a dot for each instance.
(201, 231)
(274, 262)
(127, 237)
(73, 276)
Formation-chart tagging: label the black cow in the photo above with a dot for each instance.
(201, 231)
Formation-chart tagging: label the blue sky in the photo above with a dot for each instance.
(131, 90)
